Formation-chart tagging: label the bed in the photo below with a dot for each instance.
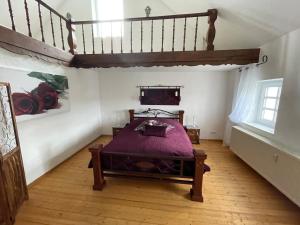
(132, 154)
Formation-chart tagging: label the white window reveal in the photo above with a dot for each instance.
(268, 99)
(108, 10)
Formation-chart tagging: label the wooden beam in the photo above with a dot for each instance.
(21, 44)
(189, 58)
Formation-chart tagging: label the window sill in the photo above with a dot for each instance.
(259, 129)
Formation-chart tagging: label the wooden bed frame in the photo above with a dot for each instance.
(199, 158)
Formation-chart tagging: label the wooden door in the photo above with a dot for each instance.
(13, 183)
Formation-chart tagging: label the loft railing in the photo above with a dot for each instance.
(140, 32)
(52, 13)
(134, 37)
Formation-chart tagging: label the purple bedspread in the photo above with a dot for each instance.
(177, 142)
(131, 146)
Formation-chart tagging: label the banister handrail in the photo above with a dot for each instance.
(176, 16)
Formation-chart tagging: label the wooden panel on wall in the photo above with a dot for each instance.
(160, 96)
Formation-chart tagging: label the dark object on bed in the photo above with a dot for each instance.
(160, 96)
(155, 130)
(133, 154)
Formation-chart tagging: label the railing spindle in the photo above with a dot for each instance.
(121, 37)
(131, 36)
(83, 39)
(141, 35)
(162, 35)
(151, 35)
(184, 34)
(93, 41)
(173, 35)
(52, 29)
(11, 15)
(196, 34)
(111, 39)
(102, 48)
(27, 18)
(41, 21)
(62, 34)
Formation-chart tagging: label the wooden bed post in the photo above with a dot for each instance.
(97, 167)
(181, 112)
(196, 191)
(131, 114)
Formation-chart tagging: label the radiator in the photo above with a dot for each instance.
(271, 160)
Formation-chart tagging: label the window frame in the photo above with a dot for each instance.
(260, 102)
(99, 28)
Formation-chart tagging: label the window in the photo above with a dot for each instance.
(267, 103)
(108, 10)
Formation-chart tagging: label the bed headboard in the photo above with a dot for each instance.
(156, 113)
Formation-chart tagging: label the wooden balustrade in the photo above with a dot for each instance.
(159, 41)
(89, 41)
(211, 14)
(42, 5)
(164, 49)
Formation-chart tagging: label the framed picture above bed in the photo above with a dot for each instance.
(37, 94)
(160, 95)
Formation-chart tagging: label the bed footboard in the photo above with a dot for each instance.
(196, 180)
(99, 181)
(196, 191)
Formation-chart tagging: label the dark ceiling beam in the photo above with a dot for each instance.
(189, 58)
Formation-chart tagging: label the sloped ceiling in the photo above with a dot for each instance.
(245, 23)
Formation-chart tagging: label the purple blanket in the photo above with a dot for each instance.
(177, 142)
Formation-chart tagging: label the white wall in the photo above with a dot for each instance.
(284, 54)
(203, 96)
(48, 141)
(279, 164)
(283, 62)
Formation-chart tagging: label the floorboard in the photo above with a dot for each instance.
(233, 194)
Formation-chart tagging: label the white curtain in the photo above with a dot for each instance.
(243, 100)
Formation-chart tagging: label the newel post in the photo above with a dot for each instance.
(213, 14)
(72, 41)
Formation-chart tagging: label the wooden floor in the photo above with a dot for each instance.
(233, 194)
